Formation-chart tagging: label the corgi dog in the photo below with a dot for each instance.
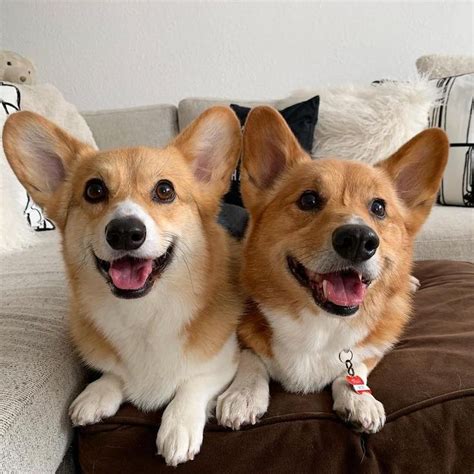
(327, 262)
(154, 301)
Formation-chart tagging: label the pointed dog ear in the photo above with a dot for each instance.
(40, 154)
(416, 170)
(211, 145)
(269, 148)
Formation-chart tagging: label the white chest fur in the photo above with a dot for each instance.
(149, 335)
(306, 350)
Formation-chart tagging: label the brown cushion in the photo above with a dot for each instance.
(426, 384)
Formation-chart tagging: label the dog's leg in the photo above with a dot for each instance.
(247, 398)
(414, 284)
(98, 400)
(363, 410)
(180, 435)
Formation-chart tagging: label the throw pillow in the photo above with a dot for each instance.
(20, 217)
(300, 117)
(455, 114)
(369, 123)
(436, 66)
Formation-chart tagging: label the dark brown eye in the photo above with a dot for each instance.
(310, 201)
(9, 63)
(164, 191)
(377, 207)
(95, 191)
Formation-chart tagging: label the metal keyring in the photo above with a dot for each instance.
(349, 353)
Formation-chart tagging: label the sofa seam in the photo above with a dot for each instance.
(314, 416)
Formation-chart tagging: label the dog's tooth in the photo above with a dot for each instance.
(325, 290)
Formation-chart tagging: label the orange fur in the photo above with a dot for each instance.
(92, 345)
(278, 227)
(254, 331)
(208, 331)
(132, 174)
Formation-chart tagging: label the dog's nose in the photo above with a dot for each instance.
(127, 233)
(22, 78)
(356, 243)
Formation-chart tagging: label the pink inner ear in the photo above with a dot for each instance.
(45, 162)
(202, 172)
(409, 182)
(273, 165)
(52, 168)
(209, 156)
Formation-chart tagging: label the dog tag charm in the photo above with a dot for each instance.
(353, 380)
(357, 384)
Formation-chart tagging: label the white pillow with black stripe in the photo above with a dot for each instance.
(15, 223)
(21, 220)
(455, 114)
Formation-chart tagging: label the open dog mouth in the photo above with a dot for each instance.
(131, 277)
(340, 292)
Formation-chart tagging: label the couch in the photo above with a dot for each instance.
(40, 375)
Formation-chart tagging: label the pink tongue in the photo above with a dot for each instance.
(344, 289)
(130, 274)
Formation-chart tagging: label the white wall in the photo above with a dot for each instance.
(107, 55)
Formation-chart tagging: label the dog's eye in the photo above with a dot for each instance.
(9, 63)
(164, 191)
(95, 191)
(377, 207)
(310, 201)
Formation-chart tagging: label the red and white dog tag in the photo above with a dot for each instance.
(357, 384)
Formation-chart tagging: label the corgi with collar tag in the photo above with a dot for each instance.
(327, 263)
(154, 301)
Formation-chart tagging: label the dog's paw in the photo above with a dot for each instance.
(93, 404)
(414, 284)
(363, 411)
(179, 438)
(241, 406)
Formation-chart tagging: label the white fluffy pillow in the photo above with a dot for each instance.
(369, 123)
(21, 218)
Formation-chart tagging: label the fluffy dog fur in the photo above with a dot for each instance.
(288, 336)
(176, 345)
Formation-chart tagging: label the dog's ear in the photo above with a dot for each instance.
(269, 148)
(40, 154)
(211, 145)
(416, 170)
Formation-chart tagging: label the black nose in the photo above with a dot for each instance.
(127, 233)
(355, 242)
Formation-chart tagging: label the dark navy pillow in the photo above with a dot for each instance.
(301, 118)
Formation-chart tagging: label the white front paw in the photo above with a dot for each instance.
(414, 284)
(93, 404)
(180, 436)
(363, 411)
(241, 406)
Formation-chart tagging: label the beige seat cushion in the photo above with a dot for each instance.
(39, 373)
(448, 234)
(153, 126)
